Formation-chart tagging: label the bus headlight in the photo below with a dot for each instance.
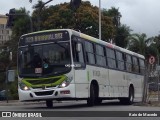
(23, 86)
(66, 82)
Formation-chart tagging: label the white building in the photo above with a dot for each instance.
(5, 33)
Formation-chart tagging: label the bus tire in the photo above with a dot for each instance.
(130, 99)
(91, 99)
(49, 103)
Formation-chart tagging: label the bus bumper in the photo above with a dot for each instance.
(47, 93)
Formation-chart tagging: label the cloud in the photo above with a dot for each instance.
(142, 16)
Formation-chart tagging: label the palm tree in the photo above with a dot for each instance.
(123, 32)
(114, 14)
(137, 43)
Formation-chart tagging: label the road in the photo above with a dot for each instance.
(70, 108)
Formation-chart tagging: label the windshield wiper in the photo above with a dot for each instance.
(60, 45)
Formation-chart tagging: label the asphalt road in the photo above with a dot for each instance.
(79, 110)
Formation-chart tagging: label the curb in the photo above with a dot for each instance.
(18, 103)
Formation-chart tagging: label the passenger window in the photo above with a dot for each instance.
(142, 66)
(111, 58)
(89, 52)
(135, 65)
(100, 58)
(120, 60)
(128, 63)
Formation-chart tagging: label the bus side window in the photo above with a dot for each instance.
(75, 56)
(111, 58)
(120, 60)
(78, 56)
(142, 66)
(89, 52)
(100, 58)
(81, 54)
(135, 65)
(128, 63)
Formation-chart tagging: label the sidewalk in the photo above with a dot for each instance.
(150, 103)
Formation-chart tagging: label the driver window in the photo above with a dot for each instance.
(80, 55)
(77, 56)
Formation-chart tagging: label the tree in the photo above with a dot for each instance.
(21, 26)
(114, 14)
(86, 16)
(121, 39)
(137, 43)
(37, 16)
(121, 31)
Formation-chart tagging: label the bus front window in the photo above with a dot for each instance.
(48, 59)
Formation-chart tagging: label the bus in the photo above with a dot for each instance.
(63, 64)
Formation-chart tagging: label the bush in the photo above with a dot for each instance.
(13, 90)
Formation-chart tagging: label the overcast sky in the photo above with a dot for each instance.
(143, 16)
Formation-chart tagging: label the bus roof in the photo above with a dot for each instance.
(96, 40)
(90, 38)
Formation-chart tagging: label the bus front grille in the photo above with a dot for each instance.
(47, 82)
(44, 93)
(40, 87)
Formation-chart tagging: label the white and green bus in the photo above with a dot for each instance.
(62, 64)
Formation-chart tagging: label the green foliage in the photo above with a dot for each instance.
(137, 43)
(2, 80)
(121, 38)
(13, 90)
(61, 16)
(4, 58)
(22, 23)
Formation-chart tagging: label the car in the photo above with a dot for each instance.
(3, 95)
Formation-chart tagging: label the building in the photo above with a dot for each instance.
(5, 33)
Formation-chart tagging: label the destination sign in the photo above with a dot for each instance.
(44, 37)
(37, 38)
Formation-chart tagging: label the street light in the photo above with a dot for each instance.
(100, 19)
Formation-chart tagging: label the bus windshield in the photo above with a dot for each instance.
(44, 59)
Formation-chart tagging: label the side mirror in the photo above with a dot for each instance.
(78, 47)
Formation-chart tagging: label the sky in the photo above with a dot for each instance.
(143, 16)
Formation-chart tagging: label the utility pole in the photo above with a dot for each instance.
(100, 24)
(158, 81)
(7, 68)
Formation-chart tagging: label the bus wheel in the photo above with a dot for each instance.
(91, 99)
(130, 98)
(49, 103)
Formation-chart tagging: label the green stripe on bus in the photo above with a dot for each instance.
(58, 82)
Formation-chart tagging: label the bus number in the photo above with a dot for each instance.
(96, 73)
